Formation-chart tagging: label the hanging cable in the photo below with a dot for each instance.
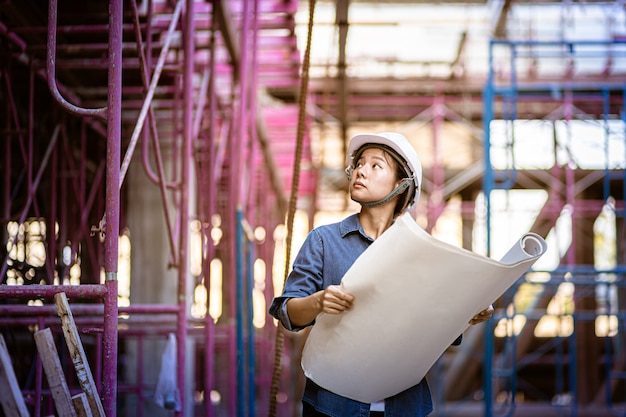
(293, 198)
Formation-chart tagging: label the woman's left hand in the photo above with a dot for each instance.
(482, 316)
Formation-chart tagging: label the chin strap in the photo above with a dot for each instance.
(406, 183)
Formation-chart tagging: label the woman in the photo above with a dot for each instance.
(384, 174)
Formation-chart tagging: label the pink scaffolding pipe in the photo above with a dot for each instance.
(93, 291)
(51, 66)
(211, 175)
(209, 205)
(112, 207)
(51, 242)
(186, 157)
(113, 114)
(226, 154)
(236, 189)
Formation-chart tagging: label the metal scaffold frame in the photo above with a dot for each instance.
(222, 163)
(107, 293)
(586, 368)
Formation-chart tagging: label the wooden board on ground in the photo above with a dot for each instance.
(79, 358)
(54, 373)
(11, 398)
(81, 404)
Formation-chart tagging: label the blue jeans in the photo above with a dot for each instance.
(309, 411)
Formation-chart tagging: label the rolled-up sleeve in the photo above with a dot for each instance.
(278, 310)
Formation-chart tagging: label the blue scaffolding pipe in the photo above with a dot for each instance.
(488, 175)
(488, 369)
(571, 44)
(251, 331)
(241, 386)
(553, 87)
(511, 91)
(508, 365)
(246, 388)
(573, 385)
(610, 372)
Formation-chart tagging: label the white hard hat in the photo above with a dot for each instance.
(397, 143)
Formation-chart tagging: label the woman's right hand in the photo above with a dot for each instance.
(332, 300)
(335, 300)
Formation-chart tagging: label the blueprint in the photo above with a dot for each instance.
(414, 295)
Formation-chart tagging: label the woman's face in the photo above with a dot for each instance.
(374, 176)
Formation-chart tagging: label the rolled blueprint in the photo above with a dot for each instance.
(414, 295)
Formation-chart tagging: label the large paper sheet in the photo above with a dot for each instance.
(414, 295)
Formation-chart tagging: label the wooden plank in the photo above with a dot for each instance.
(81, 404)
(11, 398)
(79, 358)
(54, 373)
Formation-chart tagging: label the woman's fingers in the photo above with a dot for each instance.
(336, 301)
(482, 316)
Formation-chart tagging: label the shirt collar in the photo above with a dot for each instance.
(351, 224)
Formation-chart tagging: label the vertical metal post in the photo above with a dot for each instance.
(241, 386)
(250, 196)
(573, 370)
(112, 206)
(186, 158)
(487, 366)
(268, 340)
(487, 184)
(240, 123)
(570, 184)
(488, 97)
(232, 268)
(212, 186)
(252, 126)
(559, 366)
(251, 332)
(51, 238)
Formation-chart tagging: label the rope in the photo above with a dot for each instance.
(295, 180)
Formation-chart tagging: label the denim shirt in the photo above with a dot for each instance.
(326, 255)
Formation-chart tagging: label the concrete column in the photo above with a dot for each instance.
(153, 280)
